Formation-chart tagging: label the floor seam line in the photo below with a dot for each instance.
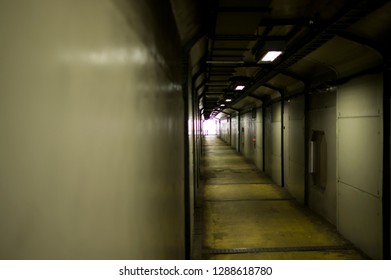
(239, 200)
(278, 249)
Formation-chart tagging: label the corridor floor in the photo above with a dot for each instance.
(241, 214)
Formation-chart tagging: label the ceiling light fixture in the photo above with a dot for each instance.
(228, 100)
(270, 56)
(239, 87)
(269, 51)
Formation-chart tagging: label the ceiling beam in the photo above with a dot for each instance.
(280, 90)
(315, 39)
(246, 37)
(225, 56)
(231, 49)
(236, 9)
(363, 41)
(295, 76)
(285, 21)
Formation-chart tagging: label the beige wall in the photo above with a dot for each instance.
(247, 130)
(294, 155)
(258, 156)
(359, 162)
(91, 121)
(322, 117)
(273, 142)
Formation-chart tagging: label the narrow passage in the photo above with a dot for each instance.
(245, 216)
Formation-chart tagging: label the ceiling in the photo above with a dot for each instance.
(322, 41)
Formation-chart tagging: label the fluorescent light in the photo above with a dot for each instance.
(222, 105)
(271, 56)
(239, 87)
(228, 100)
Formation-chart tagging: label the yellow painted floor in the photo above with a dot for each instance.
(241, 214)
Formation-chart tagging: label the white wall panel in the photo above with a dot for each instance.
(276, 112)
(276, 144)
(359, 165)
(258, 136)
(276, 136)
(360, 157)
(323, 201)
(273, 142)
(268, 141)
(91, 118)
(248, 124)
(276, 169)
(294, 177)
(234, 132)
(295, 180)
(363, 97)
(359, 219)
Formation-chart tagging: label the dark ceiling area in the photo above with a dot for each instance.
(320, 44)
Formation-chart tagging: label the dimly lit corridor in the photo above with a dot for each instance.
(195, 129)
(246, 216)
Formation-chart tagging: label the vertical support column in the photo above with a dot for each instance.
(185, 66)
(282, 138)
(306, 145)
(263, 135)
(386, 163)
(185, 56)
(239, 133)
(230, 130)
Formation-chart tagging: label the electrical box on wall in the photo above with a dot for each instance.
(318, 159)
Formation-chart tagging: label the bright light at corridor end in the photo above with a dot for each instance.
(210, 127)
(270, 56)
(239, 87)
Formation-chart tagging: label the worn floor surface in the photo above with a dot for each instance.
(241, 214)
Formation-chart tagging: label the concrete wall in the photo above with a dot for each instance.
(359, 162)
(294, 155)
(91, 118)
(322, 117)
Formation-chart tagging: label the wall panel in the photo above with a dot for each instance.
(258, 138)
(322, 117)
(359, 163)
(91, 118)
(294, 147)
